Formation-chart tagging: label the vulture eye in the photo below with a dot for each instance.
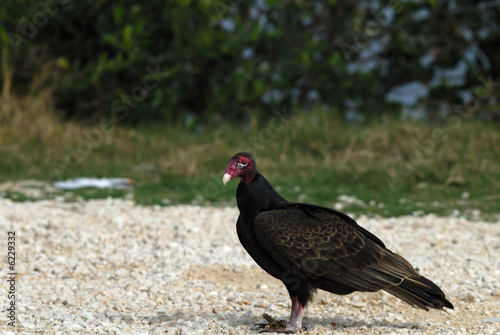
(242, 164)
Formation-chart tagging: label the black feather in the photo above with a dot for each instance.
(310, 247)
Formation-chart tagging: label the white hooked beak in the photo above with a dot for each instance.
(227, 177)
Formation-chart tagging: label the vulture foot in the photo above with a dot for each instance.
(276, 326)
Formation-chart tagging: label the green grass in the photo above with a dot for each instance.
(394, 167)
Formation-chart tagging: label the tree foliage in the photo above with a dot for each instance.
(169, 60)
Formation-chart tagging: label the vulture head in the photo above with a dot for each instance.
(241, 165)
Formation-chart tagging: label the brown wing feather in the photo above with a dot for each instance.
(324, 246)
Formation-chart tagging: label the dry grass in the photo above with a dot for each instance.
(382, 160)
(405, 150)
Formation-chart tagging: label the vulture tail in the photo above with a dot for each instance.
(420, 292)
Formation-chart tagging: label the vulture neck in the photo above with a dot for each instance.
(257, 196)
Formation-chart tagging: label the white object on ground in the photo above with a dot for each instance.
(76, 183)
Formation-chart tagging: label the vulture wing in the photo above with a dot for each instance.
(329, 247)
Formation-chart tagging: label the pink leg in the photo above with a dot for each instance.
(294, 323)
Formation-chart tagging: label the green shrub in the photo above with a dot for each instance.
(219, 59)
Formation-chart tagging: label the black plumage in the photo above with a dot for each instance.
(310, 247)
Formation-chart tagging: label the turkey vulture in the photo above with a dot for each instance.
(310, 247)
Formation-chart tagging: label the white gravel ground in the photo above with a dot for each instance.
(111, 267)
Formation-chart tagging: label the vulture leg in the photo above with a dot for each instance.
(294, 323)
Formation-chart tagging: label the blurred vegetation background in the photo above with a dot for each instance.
(389, 95)
(223, 59)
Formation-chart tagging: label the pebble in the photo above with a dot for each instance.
(491, 320)
(110, 266)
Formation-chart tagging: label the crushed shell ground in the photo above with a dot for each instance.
(112, 267)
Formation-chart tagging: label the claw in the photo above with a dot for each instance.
(294, 325)
(275, 326)
(286, 330)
